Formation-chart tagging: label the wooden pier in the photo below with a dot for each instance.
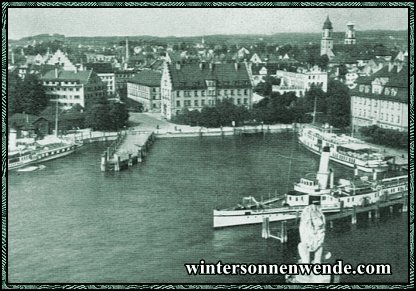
(373, 212)
(127, 150)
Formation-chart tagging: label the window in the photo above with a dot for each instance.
(202, 102)
(245, 101)
(239, 92)
(196, 93)
(232, 92)
(398, 119)
(178, 103)
(203, 93)
(245, 92)
(196, 102)
(187, 103)
(238, 101)
(178, 94)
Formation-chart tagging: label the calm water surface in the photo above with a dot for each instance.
(72, 223)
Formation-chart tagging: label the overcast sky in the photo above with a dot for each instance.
(195, 21)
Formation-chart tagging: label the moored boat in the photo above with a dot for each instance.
(345, 150)
(359, 191)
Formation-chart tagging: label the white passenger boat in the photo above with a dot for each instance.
(38, 153)
(319, 187)
(345, 150)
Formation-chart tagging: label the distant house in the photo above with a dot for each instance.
(144, 88)
(195, 85)
(72, 87)
(106, 73)
(23, 124)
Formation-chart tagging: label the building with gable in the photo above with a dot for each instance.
(382, 99)
(144, 88)
(69, 88)
(195, 85)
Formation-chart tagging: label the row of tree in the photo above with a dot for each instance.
(386, 137)
(28, 96)
(333, 107)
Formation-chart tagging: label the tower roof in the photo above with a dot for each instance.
(327, 23)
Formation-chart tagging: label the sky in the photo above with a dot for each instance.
(195, 21)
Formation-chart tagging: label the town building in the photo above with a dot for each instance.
(301, 81)
(61, 59)
(106, 74)
(195, 85)
(121, 79)
(72, 87)
(145, 89)
(382, 99)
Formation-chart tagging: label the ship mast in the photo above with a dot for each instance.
(314, 110)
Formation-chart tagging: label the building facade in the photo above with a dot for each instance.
(145, 89)
(301, 81)
(106, 74)
(72, 87)
(195, 85)
(327, 42)
(61, 59)
(382, 99)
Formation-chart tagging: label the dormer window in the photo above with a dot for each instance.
(361, 87)
(393, 91)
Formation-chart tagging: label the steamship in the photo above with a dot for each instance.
(19, 157)
(314, 188)
(345, 150)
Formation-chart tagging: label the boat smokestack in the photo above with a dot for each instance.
(12, 139)
(355, 171)
(374, 175)
(323, 172)
(331, 178)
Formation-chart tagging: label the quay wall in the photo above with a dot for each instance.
(226, 131)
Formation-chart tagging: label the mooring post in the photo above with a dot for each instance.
(404, 206)
(104, 161)
(391, 209)
(284, 231)
(354, 215)
(331, 224)
(130, 162)
(265, 228)
(377, 211)
(370, 214)
(117, 163)
(139, 155)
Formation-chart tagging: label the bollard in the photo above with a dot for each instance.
(331, 224)
(139, 155)
(117, 163)
(130, 162)
(104, 162)
(370, 214)
(391, 209)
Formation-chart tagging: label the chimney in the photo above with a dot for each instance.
(178, 65)
(12, 139)
(323, 173)
(236, 66)
(390, 66)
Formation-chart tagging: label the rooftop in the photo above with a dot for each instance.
(194, 75)
(62, 75)
(147, 78)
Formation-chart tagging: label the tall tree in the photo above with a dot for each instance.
(338, 104)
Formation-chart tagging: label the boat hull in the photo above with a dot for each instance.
(363, 168)
(44, 156)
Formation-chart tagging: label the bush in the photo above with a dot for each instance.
(386, 137)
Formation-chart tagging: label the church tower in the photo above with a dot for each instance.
(327, 43)
(350, 34)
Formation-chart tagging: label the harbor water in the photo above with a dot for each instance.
(70, 222)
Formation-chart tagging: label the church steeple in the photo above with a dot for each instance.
(350, 34)
(327, 43)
